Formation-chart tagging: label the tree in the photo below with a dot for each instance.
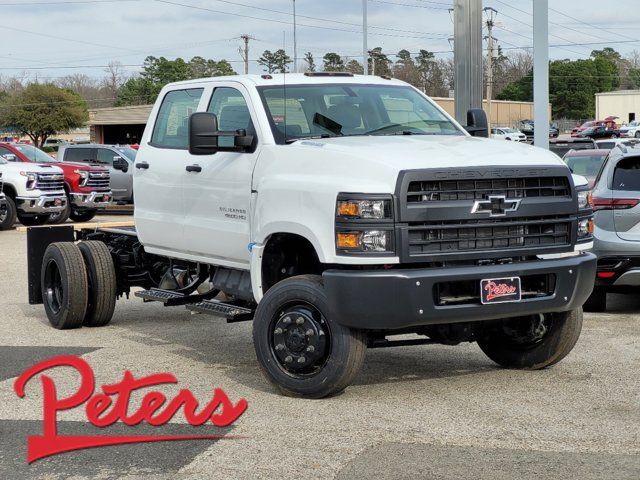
(42, 110)
(273, 62)
(379, 62)
(114, 78)
(405, 68)
(333, 62)
(311, 63)
(354, 66)
(157, 72)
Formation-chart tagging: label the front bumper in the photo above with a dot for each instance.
(91, 200)
(397, 299)
(42, 204)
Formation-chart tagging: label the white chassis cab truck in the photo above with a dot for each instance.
(335, 212)
(32, 193)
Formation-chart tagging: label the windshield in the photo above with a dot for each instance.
(351, 110)
(35, 154)
(585, 165)
(130, 153)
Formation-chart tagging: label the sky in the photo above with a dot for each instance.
(54, 38)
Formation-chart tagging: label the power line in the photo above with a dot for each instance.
(63, 2)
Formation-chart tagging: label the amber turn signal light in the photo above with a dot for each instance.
(348, 240)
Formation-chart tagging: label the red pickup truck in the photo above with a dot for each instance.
(87, 186)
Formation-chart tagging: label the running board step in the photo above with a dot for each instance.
(232, 313)
(166, 297)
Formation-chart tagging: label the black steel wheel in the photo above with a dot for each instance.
(300, 349)
(64, 285)
(7, 213)
(532, 342)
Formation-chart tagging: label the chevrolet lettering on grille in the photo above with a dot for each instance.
(496, 206)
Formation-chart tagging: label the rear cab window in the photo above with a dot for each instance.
(78, 155)
(171, 129)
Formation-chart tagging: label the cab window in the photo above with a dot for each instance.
(229, 105)
(78, 155)
(105, 156)
(171, 129)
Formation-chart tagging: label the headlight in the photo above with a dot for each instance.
(32, 178)
(366, 241)
(84, 176)
(366, 209)
(584, 200)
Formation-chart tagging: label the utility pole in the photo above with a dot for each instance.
(365, 47)
(244, 53)
(491, 16)
(295, 39)
(372, 54)
(541, 73)
(467, 56)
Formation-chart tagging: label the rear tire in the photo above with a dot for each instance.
(597, 301)
(8, 219)
(101, 276)
(553, 336)
(301, 350)
(64, 285)
(83, 216)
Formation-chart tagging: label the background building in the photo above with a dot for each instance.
(624, 104)
(118, 125)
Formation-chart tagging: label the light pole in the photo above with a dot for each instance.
(491, 15)
(541, 73)
(295, 39)
(365, 48)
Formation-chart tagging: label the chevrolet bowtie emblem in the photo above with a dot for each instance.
(496, 205)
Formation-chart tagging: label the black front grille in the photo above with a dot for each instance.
(488, 234)
(516, 188)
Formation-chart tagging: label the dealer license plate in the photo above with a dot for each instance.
(500, 290)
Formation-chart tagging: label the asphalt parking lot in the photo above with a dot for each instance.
(416, 412)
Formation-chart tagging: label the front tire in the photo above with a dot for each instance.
(62, 216)
(637, 135)
(33, 221)
(301, 350)
(101, 276)
(8, 215)
(82, 216)
(533, 342)
(64, 285)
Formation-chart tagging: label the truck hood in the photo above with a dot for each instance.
(91, 167)
(406, 152)
(29, 167)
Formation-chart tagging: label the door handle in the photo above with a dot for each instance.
(194, 168)
(142, 166)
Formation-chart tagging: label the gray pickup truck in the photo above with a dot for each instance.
(118, 158)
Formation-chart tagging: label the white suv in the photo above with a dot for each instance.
(631, 130)
(505, 133)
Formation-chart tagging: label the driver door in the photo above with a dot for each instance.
(217, 199)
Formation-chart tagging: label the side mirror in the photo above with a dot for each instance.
(204, 135)
(121, 164)
(477, 124)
